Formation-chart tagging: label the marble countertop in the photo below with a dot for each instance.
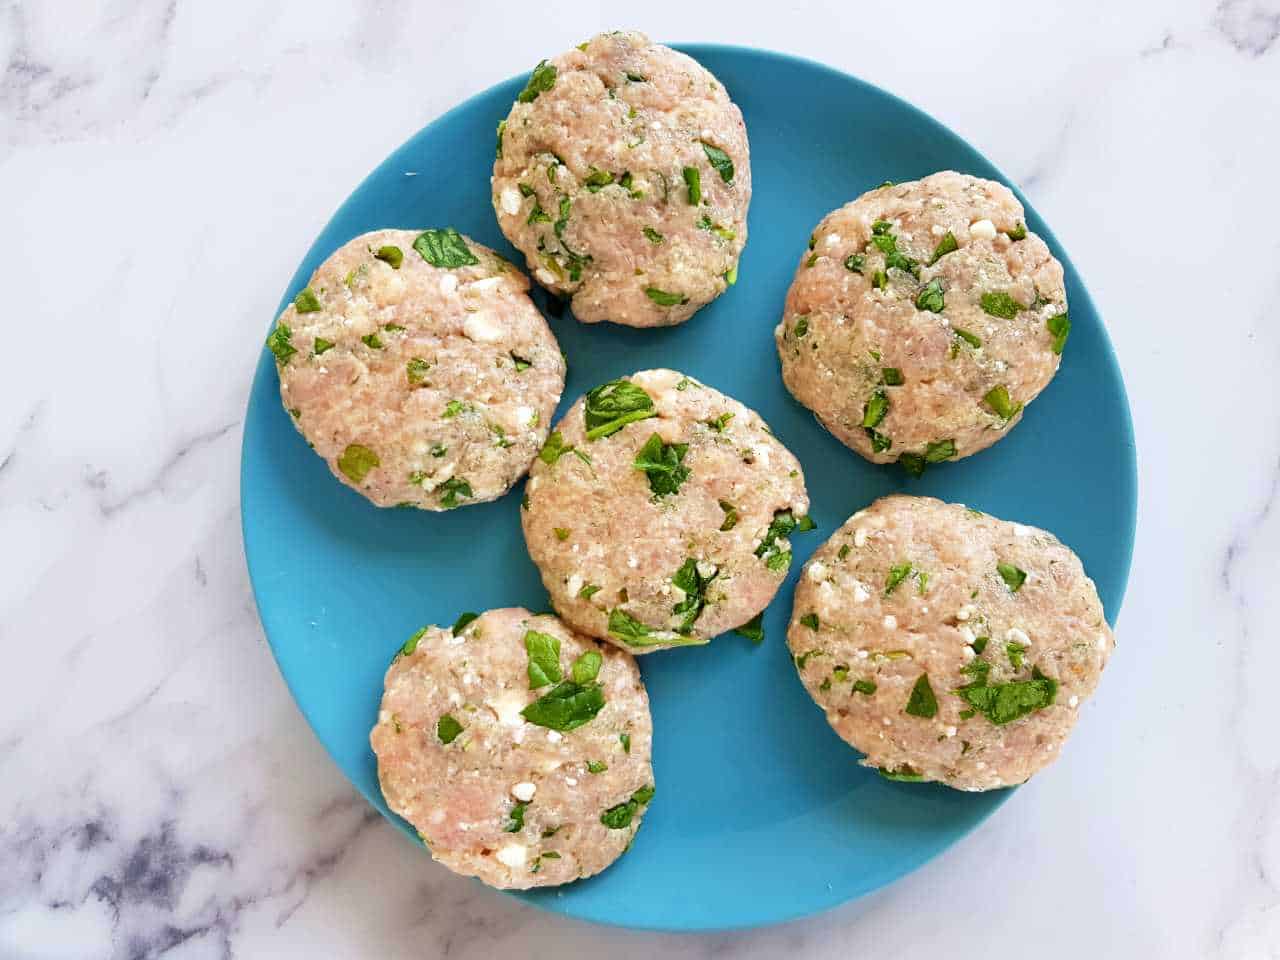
(163, 166)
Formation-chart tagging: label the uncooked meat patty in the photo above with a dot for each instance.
(416, 365)
(659, 512)
(518, 749)
(948, 645)
(923, 319)
(623, 176)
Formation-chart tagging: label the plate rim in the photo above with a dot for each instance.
(537, 898)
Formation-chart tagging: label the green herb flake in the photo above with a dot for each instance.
(520, 363)
(544, 658)
(1019, 232)
(665, 299)
(897, 573)
(1012, 576)
(586, 667)
(997, 398)
(968, 338)
(411, 644)
(372, 341)
(979, 644)
(463, 621)
(875, 409)
(810, 620)
(390, 255)
(537, 215)
(652, 235)
(689, 581)
(515, 819)
(321, 345)
(922, 702)
(568, 706)
(865, 687)
(622, 626)
(892, 376)
(447, 729)
(931, 298)
(939, 451)
(730, 516)
(903, 774)
(542, 79)
(596, 766)
(596, 180)
(879, 280)
(1003, 703)
(453, 408)
(855, 262)
(1015, 651)
(502, 128)
(879, 442)
(280, 343)
(753, 629)
(1060, 326)
(719, 160)
(693, 183)
(718, 424)
(306, 301)
(613, 405)
(619, 817)
(801, 327)
(444, 248)
(663, 463)
(451, 490)
(946, 245)
(356, 461)
(625, 740)
(1000, 304)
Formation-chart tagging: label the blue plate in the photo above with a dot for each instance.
(762, 814)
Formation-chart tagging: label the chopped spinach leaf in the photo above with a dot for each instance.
(356, 462)
(997, 398)
(693, 183)
(1060, 326)
(753, 629)
(946, 245)
(544, 658)
(391, 255)
(611, 406)
(566, 707)
(719, 160)
(444, 248)
(665, 299)
(931, 297)
(586, 667)
(306, 301)
(1012, 576)
(1000, 304)
(664, 464)
(541, 80)
(280, 343)
(922, 702)
(451, 490)
(447, 729)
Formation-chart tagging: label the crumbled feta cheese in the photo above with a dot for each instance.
(965, 612)
(574, 584)
(890, 622)
(632, 562)
(863, 654)
(524, 791)
(510, 200)
(1074, 701)
(706, 569)
(983, 229)
(860, 593)
(480, 286)
(1102, 641)
(508, 706)
(526, 415)
(950, 731)
(571, 781)
(967, 635)
(448, 284)
(513, 855)
(545, 277)
(1015, 635)
(833, 240)
(887, 722)
(1020, 531)
(482, 327)
(817, 570)
(860, 537)
(554, 736)
(938, 230)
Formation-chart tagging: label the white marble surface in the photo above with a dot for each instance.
(163, 166)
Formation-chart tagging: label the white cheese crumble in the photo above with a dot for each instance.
(571, 781)
(860, 537)
(554, 736)
(1020, 531)
(965, 612)
(480, 286)
(1017, 636)
(860, 593)
(984, 229)
(510, 200)
(967, 635)
(833, 240)
(707, 569)
(524, 791)
(817, 570)
(526, 415)
(545, 277)
(938, 230)
(890, 622)
(1074, 701)
(448, 284)
(508, 707)
(574, 584)
(513, 855)
(482, 327)
(950, 731)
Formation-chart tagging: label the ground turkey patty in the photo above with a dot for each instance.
(518, 749)
(417, 366)
(659, 512)
(623, 176)
(948, 645)
(923, 319)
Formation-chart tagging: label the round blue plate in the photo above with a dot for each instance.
(762, 813)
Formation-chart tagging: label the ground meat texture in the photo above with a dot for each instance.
(623, 175)
(419, 384)
(948, 645)
(922, 320)
(660, 511)
(497, 796)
